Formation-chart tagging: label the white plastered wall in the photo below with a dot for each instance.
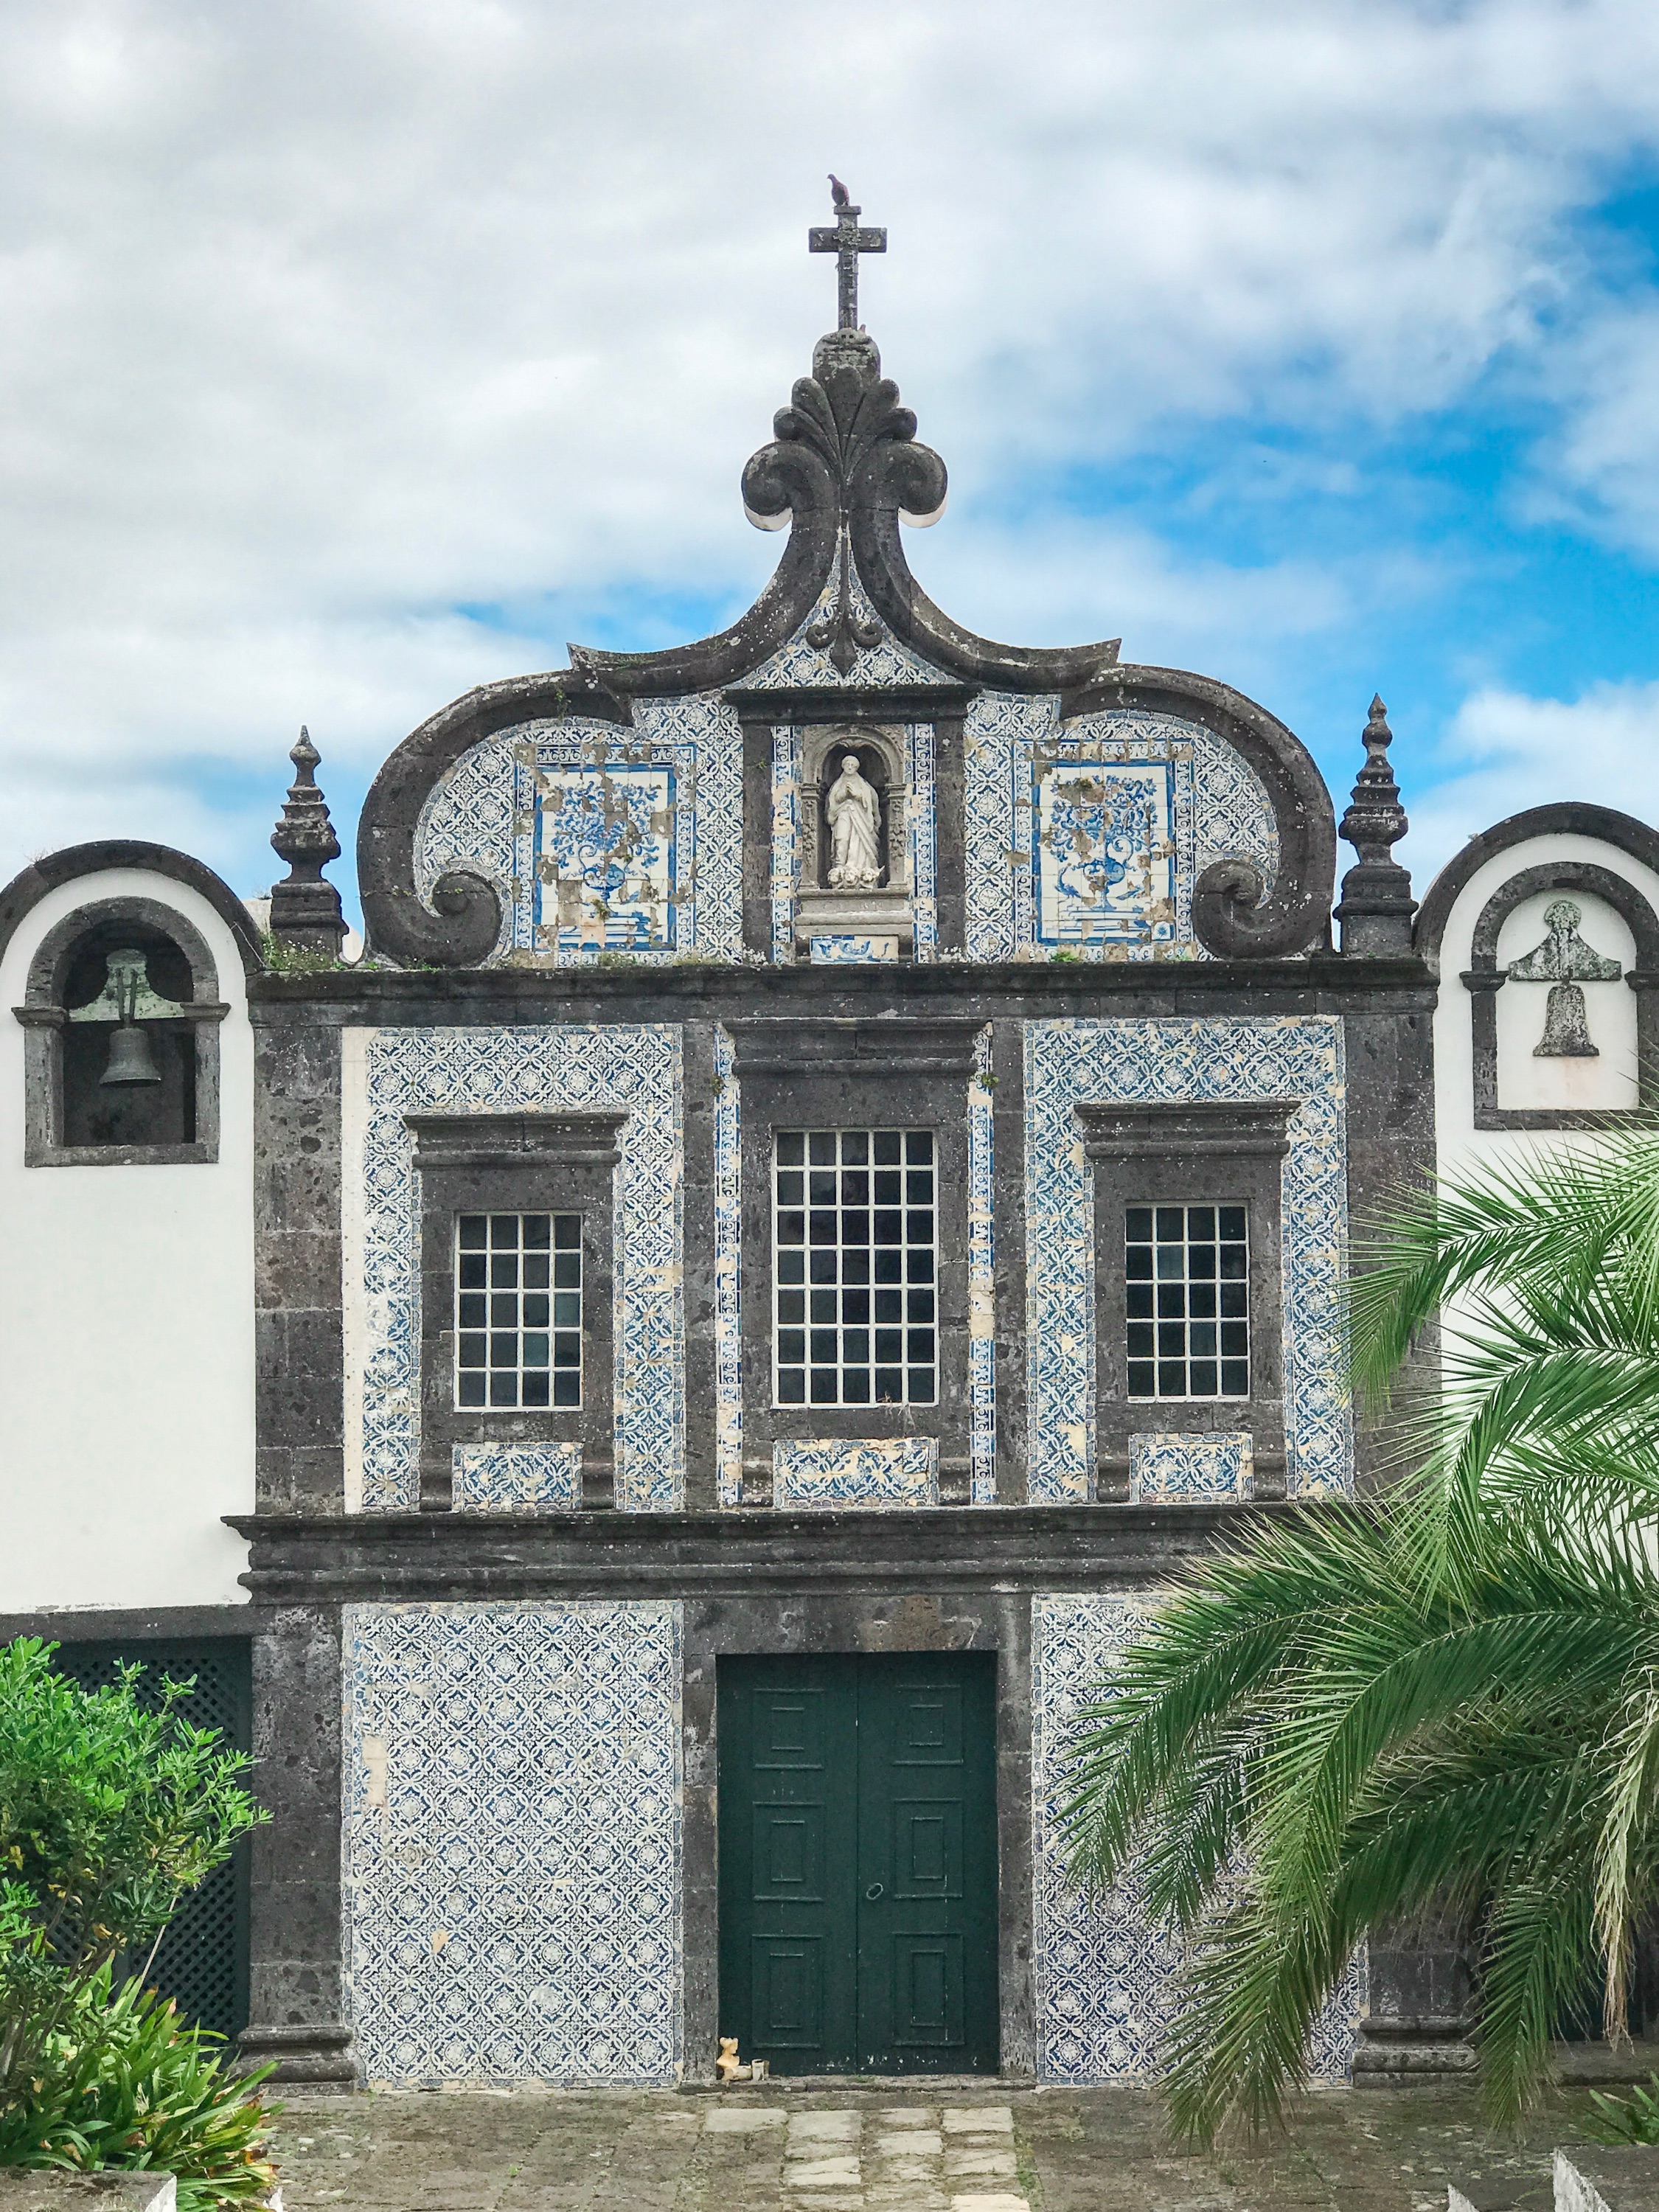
(1608, 1081)
(126, 1329)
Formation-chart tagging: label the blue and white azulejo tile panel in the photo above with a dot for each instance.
(632, 1066)
(1193, 1466)
(1288, 1056)
(801, 663)
(821, 1476)
(546, 1478)
(1087, 837)
(1107, 1987)
(600, 839)
(842, 952)
(513, 1842)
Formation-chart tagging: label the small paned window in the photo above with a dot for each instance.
(855, 1247)
(1187, 1299)
(518, 1309)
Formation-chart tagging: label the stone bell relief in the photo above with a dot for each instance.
(1565, 961)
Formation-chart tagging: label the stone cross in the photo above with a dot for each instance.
(845, 239)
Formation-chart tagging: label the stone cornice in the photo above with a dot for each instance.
(387, 1557)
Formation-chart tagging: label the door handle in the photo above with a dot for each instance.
(874, 1890)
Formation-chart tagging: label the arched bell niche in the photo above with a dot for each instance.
(122, 1059)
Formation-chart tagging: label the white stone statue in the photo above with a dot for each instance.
(853, 811)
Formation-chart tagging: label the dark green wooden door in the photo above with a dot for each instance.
(858, 1863)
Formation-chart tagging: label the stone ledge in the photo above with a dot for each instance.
(63, 2192)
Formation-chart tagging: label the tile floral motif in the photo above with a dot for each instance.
(822, 1476)
(1015, 746)
(982, 1282)
(634, 1066)
(728, 1245)
(1103, 867)
(1291, 1056)
(599, 837)
(1106, 1987)
(513, 1844)
(842, 952)
(544, 1478)
(1195, 1465)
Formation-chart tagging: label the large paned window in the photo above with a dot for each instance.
(1186, 1301)
(518, 1309)
(855, 1252)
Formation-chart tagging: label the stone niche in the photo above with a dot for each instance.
(833, 917)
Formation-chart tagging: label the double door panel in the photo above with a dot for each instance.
(858, 1862)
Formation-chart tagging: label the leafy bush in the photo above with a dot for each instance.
(1632, 2119)
(109, 1814)
(126, 2085)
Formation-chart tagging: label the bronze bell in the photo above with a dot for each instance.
(131, 1059)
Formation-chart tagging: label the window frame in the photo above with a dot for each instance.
(519, 1163)
(1202, 1153)
(886, 1073)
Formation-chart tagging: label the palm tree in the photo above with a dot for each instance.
(1446, 1702)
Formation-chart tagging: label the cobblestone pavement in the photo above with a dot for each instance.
(885, 2149)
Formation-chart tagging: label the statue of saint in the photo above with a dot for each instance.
(853, 811)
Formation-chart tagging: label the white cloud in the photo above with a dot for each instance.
(1505, 751)
(322, 320)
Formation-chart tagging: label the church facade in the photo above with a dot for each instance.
(650, 1395)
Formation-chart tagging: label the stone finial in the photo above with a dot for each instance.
(305, 911)
(1376, 904)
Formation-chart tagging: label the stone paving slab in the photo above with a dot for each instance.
(875, 2149)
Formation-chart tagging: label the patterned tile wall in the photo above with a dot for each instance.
(513, 1843)
(823, 1474)
(982, 1281)
(516, 1478)
(480, 1070)
(1287, 1057)
(1105, 1972)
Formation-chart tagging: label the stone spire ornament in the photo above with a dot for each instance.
(1377, 905)
(305, 911)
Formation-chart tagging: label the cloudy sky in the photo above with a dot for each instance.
(354, 353)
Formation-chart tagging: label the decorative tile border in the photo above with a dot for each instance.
(1290, 1056)
(487, 814)
(1169, 1466)
(982, 1281)
(785, 840)
(822, 1476)
(924, 837)
(480, 1070)
(544, 1478)
(513, 1843)
(728, 1247)
(1105, 1972)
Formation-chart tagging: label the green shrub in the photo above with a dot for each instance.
(126, 2085)
(1632, 2119)
(109, 1814)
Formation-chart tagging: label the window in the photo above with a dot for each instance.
(517, 1310)
(1186, 1301)
(855, 1246)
